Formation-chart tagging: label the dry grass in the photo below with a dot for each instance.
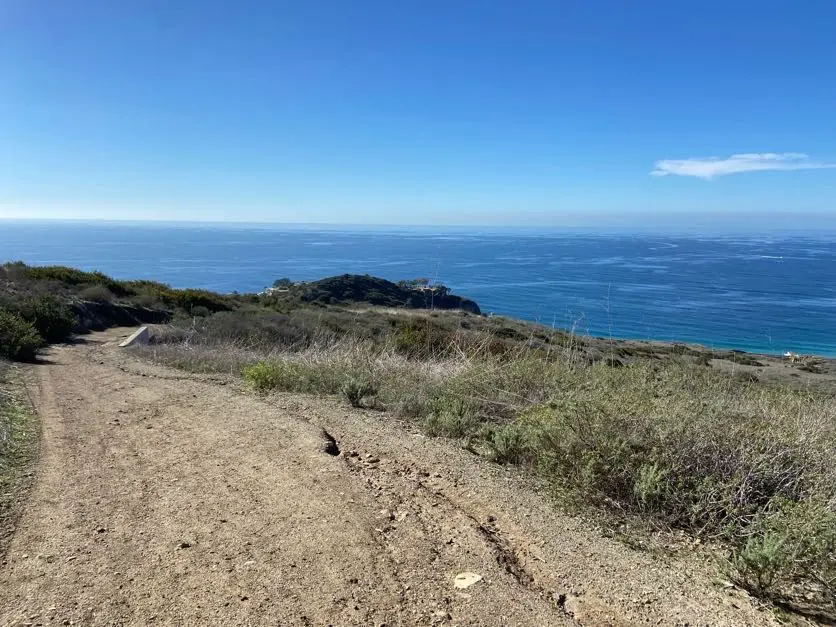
(18, 447)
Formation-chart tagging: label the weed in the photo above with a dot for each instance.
(270, 375)
(355, 390)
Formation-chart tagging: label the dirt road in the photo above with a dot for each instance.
(173, 499)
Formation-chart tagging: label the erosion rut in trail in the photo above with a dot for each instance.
(175, 499)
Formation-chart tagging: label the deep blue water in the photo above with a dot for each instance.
(764, 293)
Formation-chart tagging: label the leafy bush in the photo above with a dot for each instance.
(200, 312)
(52, 318)
(189, 299)
(421, 339)
(790, 542)
(411, 404)
(454, 422)
(74, 277)
(265, 376)
(18, 338)
(509, 444)
(698, 463)
(295, 376)
(97, 292)
(355, 390)
(148, 300)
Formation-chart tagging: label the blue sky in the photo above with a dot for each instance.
(418, 111)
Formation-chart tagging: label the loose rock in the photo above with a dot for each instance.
(466, 579)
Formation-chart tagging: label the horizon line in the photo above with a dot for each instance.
(570, 221)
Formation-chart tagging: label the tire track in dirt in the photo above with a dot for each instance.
(409, 498)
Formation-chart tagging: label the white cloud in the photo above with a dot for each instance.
(709, 167)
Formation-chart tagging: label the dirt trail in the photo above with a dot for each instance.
(170, 499)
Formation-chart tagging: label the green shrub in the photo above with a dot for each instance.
(200, 311)
(295, 376)
(789, 542)
(686, 448)
(410, 405)
(97, 293)
(18, 338)
(265, 376)
(52, 318)
(189, 299)
(355, 390)
(148, 300)
(421, 339)
(509, 443)
(499, 388)
(508, 333)
(451, 416)
(455, 425)
(74, 277)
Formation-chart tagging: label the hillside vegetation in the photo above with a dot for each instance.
(18, 439)
(665, 437)
(46, 304)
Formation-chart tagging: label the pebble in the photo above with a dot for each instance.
(466, 579)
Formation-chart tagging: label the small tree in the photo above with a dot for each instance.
(18, 338)
(283, 282)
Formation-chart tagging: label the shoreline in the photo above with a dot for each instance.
(697, 345)
(807, 371)
(664, 343)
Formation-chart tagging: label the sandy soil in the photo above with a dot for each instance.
(164, 498)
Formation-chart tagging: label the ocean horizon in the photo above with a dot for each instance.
(769, 292)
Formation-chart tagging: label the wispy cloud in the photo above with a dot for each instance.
(709, 167)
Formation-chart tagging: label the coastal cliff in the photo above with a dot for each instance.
(357, 288)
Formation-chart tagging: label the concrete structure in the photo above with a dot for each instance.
(142, 337)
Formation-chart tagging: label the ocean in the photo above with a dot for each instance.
(765, 293)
